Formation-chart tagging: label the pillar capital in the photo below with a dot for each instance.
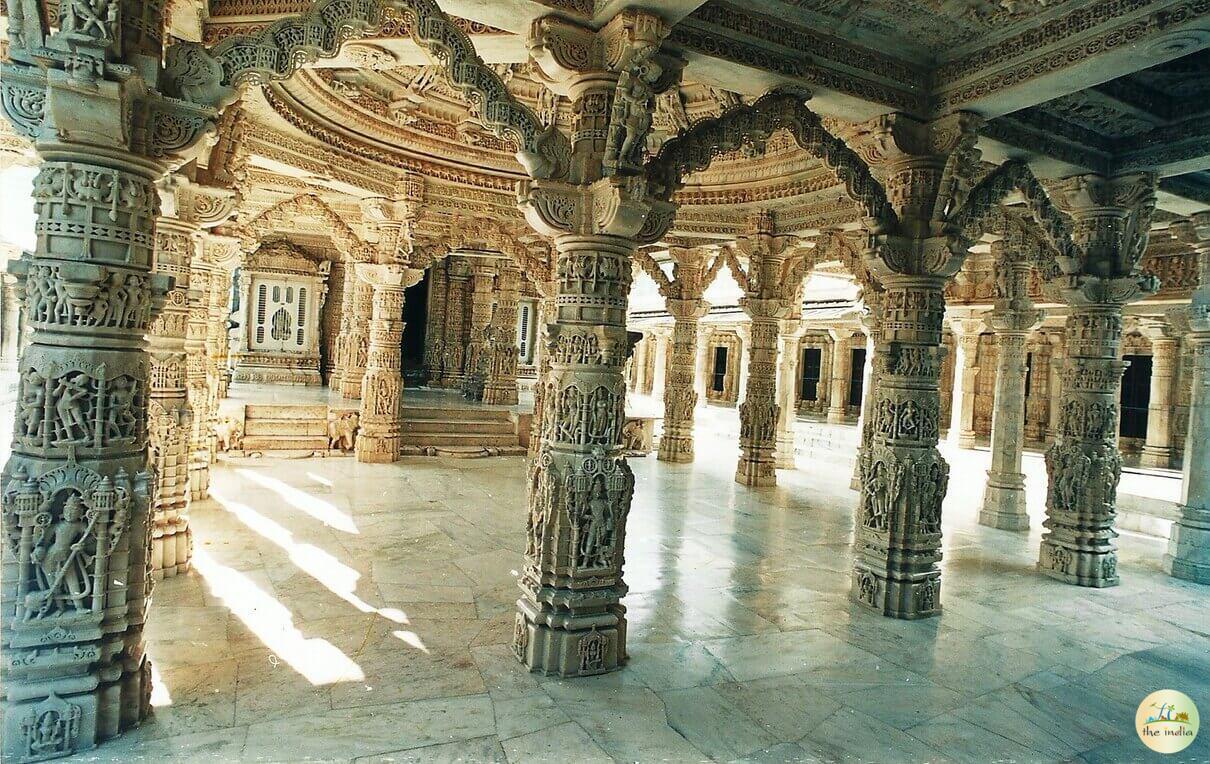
(687, 309)
(1013, 322)
(389, 276)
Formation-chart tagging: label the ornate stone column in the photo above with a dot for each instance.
(1112, 223)
(170, 416)
(842, 359)
(501, 386)
(1188, 554)
(661, 342)
(680, 397)
(224, 254)
(457, 275)
(701, 370)
(479, 320)
(903, 477)
(434, 328)
(692, 272)
(1058, 353)
(787, 388)
(355, 335)
(768, 299)
(77, 491)
(10, 322)
(546, 310)
(570, 620)
(871, 324)
(1157, 449)
(347, 290)
(1012, 319)
(382, 384)
(962, 413)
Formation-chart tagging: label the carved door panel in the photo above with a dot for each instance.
(280, 316)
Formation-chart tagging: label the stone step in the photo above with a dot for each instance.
(283, 443)
(488, 426)
(286, 427)
(457, 439)
(285, 411)
(451, 413)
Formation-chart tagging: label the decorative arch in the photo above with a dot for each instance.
(277, 219)
(537, 267)
(213, 77)
(668, 286)
(751, 125)
(983, 202)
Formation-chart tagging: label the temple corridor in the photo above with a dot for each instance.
(339, 610)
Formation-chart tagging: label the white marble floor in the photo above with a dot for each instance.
(341, 611)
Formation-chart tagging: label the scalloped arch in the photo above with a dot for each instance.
(277, 219)
(752, 124)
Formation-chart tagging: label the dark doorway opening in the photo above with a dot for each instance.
(1136, 396)
(812, 362)
(718, 381)
(415, 316)
(857, 377)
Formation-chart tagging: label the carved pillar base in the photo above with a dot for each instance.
(1156, 457)
(1004, 503)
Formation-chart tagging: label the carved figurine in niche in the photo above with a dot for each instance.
(69, 402)
(634, 437)
(120, 423)
(601, 421)
(51, 731)
(33, 401)
(61, 565)
(596, 530)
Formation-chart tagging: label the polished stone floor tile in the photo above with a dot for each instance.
(341, 611)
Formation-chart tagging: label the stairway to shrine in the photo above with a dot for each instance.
(459, 431)
(274, 427)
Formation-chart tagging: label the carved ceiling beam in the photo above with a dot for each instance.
(1053, 59)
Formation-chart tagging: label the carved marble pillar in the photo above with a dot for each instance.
(787, 389)
(1112, 222)
(479, 320)
(838, 389)
(10, 322)
(1157, 450)
(347, 289)
(759, 411)
(871, 324)
(77, 491)
(570, 621)
(903, 476)
(1012, 320)
(680, 395)
(1058, 352)
(638, 364)
(701, 369)
(453, 337)
(962, 412)
(224, 253)
(546, 311)
(744, 333)
(356, 336)
(1188, 554)
(382, 383)
(661, 343)
(434, 328)
(170, 416)
(501, 386)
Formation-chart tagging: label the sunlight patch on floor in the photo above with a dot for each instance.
(317, 660)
